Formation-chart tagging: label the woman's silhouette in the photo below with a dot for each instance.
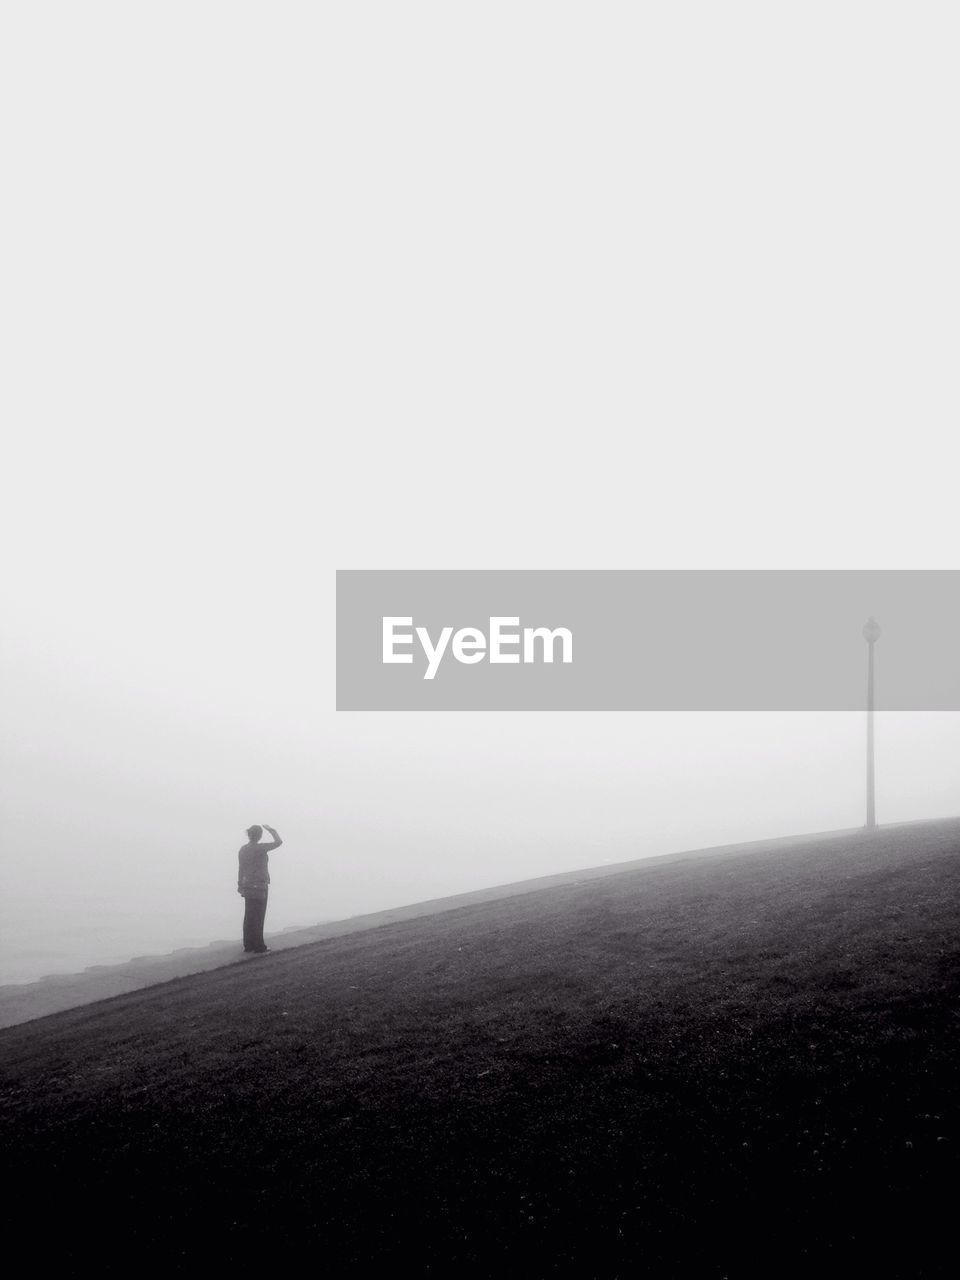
(253, 882)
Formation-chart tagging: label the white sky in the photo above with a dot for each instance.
(286, 288)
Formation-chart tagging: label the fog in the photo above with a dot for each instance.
(289, 296)
(128, 811)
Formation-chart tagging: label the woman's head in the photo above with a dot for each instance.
(254, 832)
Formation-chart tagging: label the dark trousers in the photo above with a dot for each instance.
(256, 909)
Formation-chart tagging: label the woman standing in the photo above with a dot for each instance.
(253, 882)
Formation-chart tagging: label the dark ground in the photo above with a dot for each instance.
(741, 1064)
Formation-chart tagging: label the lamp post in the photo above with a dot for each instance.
(871, 633)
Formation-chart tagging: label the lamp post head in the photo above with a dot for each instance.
(871, 631)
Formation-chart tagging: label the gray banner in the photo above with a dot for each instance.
(646, 640)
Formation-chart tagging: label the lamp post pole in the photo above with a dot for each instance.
(871, 633)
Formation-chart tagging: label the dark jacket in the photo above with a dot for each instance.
(254, 877)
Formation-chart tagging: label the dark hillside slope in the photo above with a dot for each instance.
(741, 1064)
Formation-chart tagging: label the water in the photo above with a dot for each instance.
(68, 932)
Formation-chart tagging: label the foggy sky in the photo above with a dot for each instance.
(532, 287)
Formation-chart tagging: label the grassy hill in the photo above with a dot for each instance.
(736, 1064)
